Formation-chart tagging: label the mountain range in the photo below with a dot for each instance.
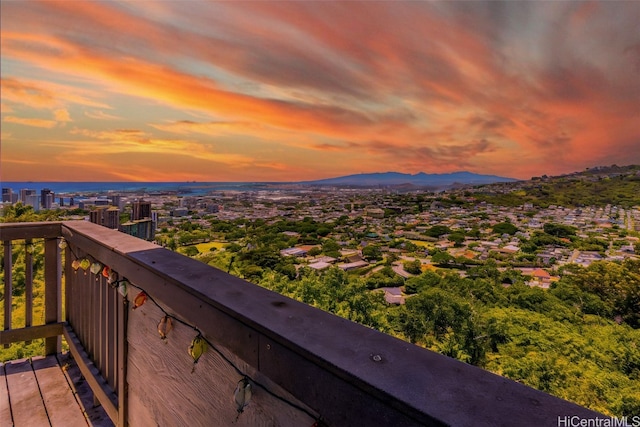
(420, 179)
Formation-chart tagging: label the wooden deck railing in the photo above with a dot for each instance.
(304, 365)
(52, 327)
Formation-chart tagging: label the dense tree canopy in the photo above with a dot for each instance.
(505, 228)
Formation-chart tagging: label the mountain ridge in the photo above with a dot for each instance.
(420, 179)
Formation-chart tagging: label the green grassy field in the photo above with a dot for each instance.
(206, 247)
(422, 243)
(203, 248)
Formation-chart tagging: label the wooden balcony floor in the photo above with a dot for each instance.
(47, 391)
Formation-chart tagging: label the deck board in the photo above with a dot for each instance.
(5, 409)
(62, 407)
(27, 407)
(49, 392)
(96, 415)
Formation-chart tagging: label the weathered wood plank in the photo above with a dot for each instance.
(102, 326)
(8, 285)
(111, 338)
(183, 283)
(122, 357)
(164, 390)
(62, 407)
(26, 403)
(95, 414)
(91, 374)
(29, 230)
(92, 342)
(31, 333)
(69, 302)
(101, 240)
(84, 296)
(28, 283)
(5, 409)
(53, 291)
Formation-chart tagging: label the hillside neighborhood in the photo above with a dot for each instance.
(362, 230)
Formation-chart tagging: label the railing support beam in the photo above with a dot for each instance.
(8, 286)
(31, 333)
(28, 285)
(122, 350)
(100, 389)
(53, 292)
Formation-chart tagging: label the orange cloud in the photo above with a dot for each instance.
(100, 115)
(499, 87)
(151, 81)
(44, 95)
(185, 127)
(28, 94)
(62, 115)
(131, 141)
(40, 123)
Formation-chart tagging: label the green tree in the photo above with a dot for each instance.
(504, 228)
(413, 267)
(315, 251)
(417, 284)
(433, 312)
(488, 270)
(19, 213)
(443, 258)
(437, 231)
(559, 230)
(457, 238)
(323, 231)
(331, 248)
(191, 251)
(372, 253)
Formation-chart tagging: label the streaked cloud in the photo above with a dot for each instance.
(100, 115)
(298, 90)
(62, 115)
(26, 121)
(122, 141)
(46, 95)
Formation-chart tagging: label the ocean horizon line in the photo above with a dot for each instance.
(179, 187)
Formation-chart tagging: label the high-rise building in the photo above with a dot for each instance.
(93, 201)
(26, 192)
(33, 200)
(47, 198)
(107, 216)
(118, 201)
(95, 216)
(7, 195)
(112, 219)
(143, 229)
(140, 210)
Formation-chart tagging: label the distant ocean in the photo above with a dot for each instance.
(179, 188)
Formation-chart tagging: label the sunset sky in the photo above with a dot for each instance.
(300, 90)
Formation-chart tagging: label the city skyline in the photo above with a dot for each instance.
(292, 91)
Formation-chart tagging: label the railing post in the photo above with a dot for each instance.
(28, 286)
(122, 345)
(53, 292)
(8, 286)
(68, 295)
